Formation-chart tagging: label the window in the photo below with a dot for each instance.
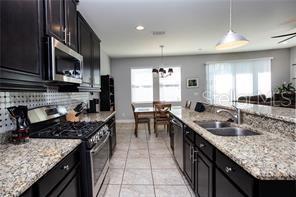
(142, 85)
(170, 87)
(230, 80)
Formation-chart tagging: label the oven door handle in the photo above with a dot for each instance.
(96, 149)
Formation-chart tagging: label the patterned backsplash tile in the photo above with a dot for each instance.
(35, 99)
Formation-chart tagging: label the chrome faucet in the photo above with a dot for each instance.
(236, 116)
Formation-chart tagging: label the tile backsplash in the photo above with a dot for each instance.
(35, 99)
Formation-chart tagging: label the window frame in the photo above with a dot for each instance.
(174, 101)
(131, 85)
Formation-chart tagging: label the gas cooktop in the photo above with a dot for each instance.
(78, 130)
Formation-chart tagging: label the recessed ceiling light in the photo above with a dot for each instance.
(140, 28)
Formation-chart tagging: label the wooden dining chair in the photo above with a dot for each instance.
(156, 102)
(161, 116)
(140, 120)
(188, 104)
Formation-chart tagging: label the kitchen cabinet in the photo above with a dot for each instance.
(61, 21)
(210, 173)
(55, 20)
(189, 161)
(64, 179)
(89, 48)
(85, 49)
(224, 187)
(203, 175)
(21, 51)
(96, 76)
(71, 23)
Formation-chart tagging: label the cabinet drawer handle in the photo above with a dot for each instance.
(228, 169)
(201, 145)
(194, 158)
(66, 167)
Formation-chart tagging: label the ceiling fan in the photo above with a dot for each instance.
(290, 24)
(290, 36)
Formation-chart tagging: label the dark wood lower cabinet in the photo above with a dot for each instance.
(224, 187)
(210, 173)
(188, 161)
(63, 180)
(203, 175)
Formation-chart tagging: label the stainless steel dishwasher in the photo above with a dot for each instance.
(177, 127)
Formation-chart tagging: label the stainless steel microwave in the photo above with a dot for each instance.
(65, 64)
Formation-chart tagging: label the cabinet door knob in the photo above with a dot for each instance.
(201, 145)
(228, 169)
(66, 167)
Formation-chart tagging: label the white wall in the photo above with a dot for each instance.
(105, 63)
(191, 66)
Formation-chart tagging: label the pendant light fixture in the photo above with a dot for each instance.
(232, 39)
(161, 71)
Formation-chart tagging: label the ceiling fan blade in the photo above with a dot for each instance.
(284, 35)
(287, 39)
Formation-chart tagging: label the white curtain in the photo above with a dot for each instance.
(226, 81)
(142, 85)
(170, 87)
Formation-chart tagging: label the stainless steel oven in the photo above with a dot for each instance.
(65, 64)
(99, 165)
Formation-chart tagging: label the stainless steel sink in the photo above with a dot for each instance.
(232, 131)
(212, 124)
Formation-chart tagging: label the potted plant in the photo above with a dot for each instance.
(285, 92)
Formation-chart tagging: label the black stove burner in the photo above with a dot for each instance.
(70, 130)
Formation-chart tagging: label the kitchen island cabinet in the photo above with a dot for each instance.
(216, 171)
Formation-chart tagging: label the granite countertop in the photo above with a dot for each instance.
(101, 116)
(279, 113)
(22, 165)
(267, 156)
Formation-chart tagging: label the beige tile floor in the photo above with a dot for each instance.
(144, 166)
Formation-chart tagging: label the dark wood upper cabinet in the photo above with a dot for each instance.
(21, 43)
(89, 48)
(85, 49)
(61, 21)
(71, 23)
(55, 20)
(96, 61)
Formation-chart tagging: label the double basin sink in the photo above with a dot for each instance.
(224, 128)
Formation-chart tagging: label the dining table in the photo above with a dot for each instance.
(149, 110)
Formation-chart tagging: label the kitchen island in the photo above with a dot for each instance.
(241, 165)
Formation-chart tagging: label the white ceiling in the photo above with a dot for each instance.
(191, 26)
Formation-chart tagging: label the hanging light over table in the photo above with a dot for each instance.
(232, 39)
(161, 71)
